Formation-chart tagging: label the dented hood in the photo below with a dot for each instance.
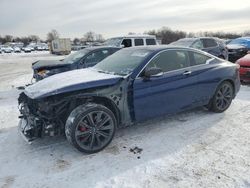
(48, 64)
(70, 81)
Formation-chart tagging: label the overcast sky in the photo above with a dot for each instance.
(72, 18)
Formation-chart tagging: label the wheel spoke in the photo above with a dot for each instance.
(219, 93)
(98, 140)
(108, 127)
(226, 101)
(90, 119)
(81, 134)
(219, 103)
(98, 117)
(105, 135)
(83, 124)
(84, 139)
(92, 140)
(103, 122)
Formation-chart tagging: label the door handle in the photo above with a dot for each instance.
(187, 73)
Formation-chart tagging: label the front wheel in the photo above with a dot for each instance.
(90, 127)
(222, 98)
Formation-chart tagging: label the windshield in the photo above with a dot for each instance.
(186, 43)
(75, 56)
(123, 62)
(113, 42)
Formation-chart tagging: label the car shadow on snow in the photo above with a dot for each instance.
(132, 146)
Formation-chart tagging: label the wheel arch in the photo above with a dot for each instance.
(98, 100)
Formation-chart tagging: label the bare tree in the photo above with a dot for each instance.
(53, 34)
(89, 36)
(99, 38)
(167, 35)
(246, 33)
(34, 38)
(8, 38)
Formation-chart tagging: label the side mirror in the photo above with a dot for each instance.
(81, 63)
(152, 71)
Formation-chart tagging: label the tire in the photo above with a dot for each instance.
(222, 98)
(90, 127)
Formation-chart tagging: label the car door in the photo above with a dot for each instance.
(172, 91)
(211, 46)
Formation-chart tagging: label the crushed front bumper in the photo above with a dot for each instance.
(25, 129)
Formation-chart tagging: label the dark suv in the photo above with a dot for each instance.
(211, 45)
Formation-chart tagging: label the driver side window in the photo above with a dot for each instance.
(170, 60)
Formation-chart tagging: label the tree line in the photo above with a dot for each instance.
(165, 34)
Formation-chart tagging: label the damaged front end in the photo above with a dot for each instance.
(40, 118)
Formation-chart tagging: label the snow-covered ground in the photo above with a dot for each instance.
(192, 149)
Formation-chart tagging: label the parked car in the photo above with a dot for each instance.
(238, 48)
(244, 41)
(211, 45)
(26, 49)
(87, 57)
(132, 40)
(7, 49)
(32, 48)
(132, 85)
(244, 63)
(17, 49)
(39, 48)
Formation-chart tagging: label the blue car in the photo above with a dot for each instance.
(243, 41)
(238, 48)
(87, 57)
(132, 85)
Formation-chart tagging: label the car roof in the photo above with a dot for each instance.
(187, 39)
(91, 48)
(135, 36)
(160, 48)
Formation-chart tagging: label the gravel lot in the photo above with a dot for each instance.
(192, 149)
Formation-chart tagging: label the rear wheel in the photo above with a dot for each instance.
(222, 98)
(90, 127)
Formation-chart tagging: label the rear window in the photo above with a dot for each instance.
(199, 59)
(139, 42)
(208, 43)
(150, 42)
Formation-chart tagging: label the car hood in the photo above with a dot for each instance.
(48, 64)
(70, 81)
(235, 46)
